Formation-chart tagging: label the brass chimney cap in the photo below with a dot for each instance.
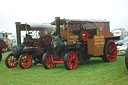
(17, 23)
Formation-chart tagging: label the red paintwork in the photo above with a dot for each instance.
(11, 61)
(4, 50)
(72, 56)
(40, 51)
(26, 61)
(58, 62)
(61, 59)
(77, 52)
(84, 38)
(111, 51)
(49, 60)
(62, 56)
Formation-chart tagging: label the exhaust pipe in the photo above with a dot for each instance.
(18, 33)
(57, 21)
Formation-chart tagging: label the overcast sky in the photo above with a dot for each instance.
(41, 11)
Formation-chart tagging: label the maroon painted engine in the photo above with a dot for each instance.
(35, 43)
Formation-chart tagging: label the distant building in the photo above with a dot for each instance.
(122, 32)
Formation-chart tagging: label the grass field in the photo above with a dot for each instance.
(94, 72)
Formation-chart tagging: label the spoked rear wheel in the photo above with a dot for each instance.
(0, 56)
(126, 58)
(47, 59)
(25, 61)
(71, 60)
(110, 52)
(11, 61)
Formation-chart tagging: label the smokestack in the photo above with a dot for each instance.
(18, 33)
(57, 21)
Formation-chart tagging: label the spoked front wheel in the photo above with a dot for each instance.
(71, 60)
(25, 61)
(47, 59)
(11, 61)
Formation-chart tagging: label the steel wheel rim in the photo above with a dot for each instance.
(72, 60)
(26, 61)
(111, 51)
(11, 61)
(48, 60)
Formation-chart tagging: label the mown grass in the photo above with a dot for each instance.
(94, 72)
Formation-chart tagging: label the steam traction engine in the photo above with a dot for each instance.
(37, 38)
(5, 38)
(5, 43)
(79, 40)
(3, 47)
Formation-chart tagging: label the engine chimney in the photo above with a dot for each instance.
(18, 33)
(57, 21)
